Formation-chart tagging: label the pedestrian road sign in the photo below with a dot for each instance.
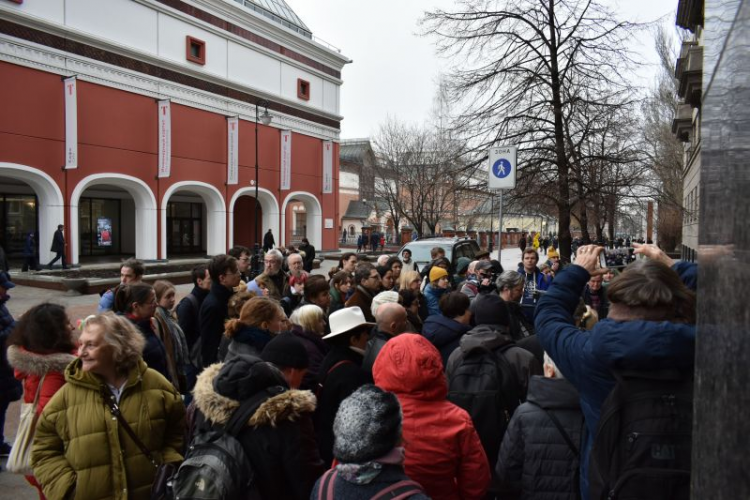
(502, 167)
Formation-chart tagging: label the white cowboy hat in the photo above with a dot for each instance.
(345, 320)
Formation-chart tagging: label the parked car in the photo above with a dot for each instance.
(454, 248)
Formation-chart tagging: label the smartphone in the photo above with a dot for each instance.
(603, 260)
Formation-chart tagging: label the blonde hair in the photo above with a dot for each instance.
(237, 301)
(308, 317)
(255, 312)
(407, 277)
(119, 333)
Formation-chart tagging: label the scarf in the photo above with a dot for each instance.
(365, 473)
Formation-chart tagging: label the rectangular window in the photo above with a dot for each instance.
(303, 89)
(195, 50)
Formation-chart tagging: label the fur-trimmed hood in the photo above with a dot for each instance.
(32, 363)
(287, 406)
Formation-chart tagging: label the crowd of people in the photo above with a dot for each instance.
(461, 380)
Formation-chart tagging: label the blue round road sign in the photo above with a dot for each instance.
(501, 168)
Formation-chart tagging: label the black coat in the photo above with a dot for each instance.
(534, 458)
(188, 314)
(268, 241)
(58, 242)
(444, 333)
(212, 316)
(307, 261)
(10, 388)
(389, 475)
(279, 439)
(336, 386)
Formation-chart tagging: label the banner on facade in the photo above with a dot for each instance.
(71, 122)
(286, 159)
(327, 167)
(165, 139)
(233, 133)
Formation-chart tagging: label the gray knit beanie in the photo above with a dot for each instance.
(367, 425)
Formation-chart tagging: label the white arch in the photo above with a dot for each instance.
(314, 217)
(50, 203)
(268, 204)
(216, 234)
(145, 212)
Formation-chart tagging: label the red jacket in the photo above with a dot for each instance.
(30, 367)
(443, 451)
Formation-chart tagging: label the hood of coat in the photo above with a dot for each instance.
(287, 406)
(489, 336)
(441, 330)
(33, 363)
(410, 365)
(74, 374)
(552, 393)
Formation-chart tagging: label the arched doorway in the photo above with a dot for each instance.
(112, 215)
(242, 216)
(312, 220)
(192, 220)
(30, 201)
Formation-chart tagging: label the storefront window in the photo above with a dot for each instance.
(18, 217)
(99, 225)
(184, 228)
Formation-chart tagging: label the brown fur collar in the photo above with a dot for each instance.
(33, 363)
(287, 406)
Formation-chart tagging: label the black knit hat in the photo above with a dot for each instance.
(286, 351)
(367, 425)
(243, 377)
(490, 309)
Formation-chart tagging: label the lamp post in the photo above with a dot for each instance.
(265, 118)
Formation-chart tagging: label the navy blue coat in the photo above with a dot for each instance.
(587, 358)
(213, 314)
(444, 333)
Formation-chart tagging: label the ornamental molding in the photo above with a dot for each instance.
(50, 60)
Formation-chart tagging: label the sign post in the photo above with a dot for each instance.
(502, 175)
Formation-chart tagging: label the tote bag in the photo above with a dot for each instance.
(19, 460)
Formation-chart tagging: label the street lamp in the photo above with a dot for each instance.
(265, 118)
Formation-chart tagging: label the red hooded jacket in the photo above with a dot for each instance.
(443, 451)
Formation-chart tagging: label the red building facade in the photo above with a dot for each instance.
(112, 200)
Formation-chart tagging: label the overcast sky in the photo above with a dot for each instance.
(394, 70)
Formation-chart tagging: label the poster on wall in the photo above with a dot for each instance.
(104, 232)
(286, 159)
(233, 132)
(327, 167)
(71, 122)
(165, 139)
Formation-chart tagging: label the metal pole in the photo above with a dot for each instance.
(492, 209)
(500, 229)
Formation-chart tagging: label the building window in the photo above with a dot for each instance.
(195, 50)
(303, 89)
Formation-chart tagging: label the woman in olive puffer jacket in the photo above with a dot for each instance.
(80, 450)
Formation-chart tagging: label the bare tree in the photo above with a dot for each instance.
(664, 150)
(514, 61)
(419, 175)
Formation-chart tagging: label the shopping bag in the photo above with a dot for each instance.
(19, 460)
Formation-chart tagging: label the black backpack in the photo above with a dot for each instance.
(216, 466)
(486, 386)
(644, 438)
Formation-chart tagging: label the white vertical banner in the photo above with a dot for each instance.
(327, 167)
(71, 122)
(165, 139)
(233, 133)
(286, 159)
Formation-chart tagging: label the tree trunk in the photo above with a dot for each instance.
(585, 236)
(563, 205)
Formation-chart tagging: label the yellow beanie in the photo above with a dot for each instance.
(436, 273)
(552, 253)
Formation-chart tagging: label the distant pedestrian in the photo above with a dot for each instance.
(58, 246)
(522, 243)
(268, 241)
(374, 241)
(359, 243)
(309, 258)
(30, 254)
